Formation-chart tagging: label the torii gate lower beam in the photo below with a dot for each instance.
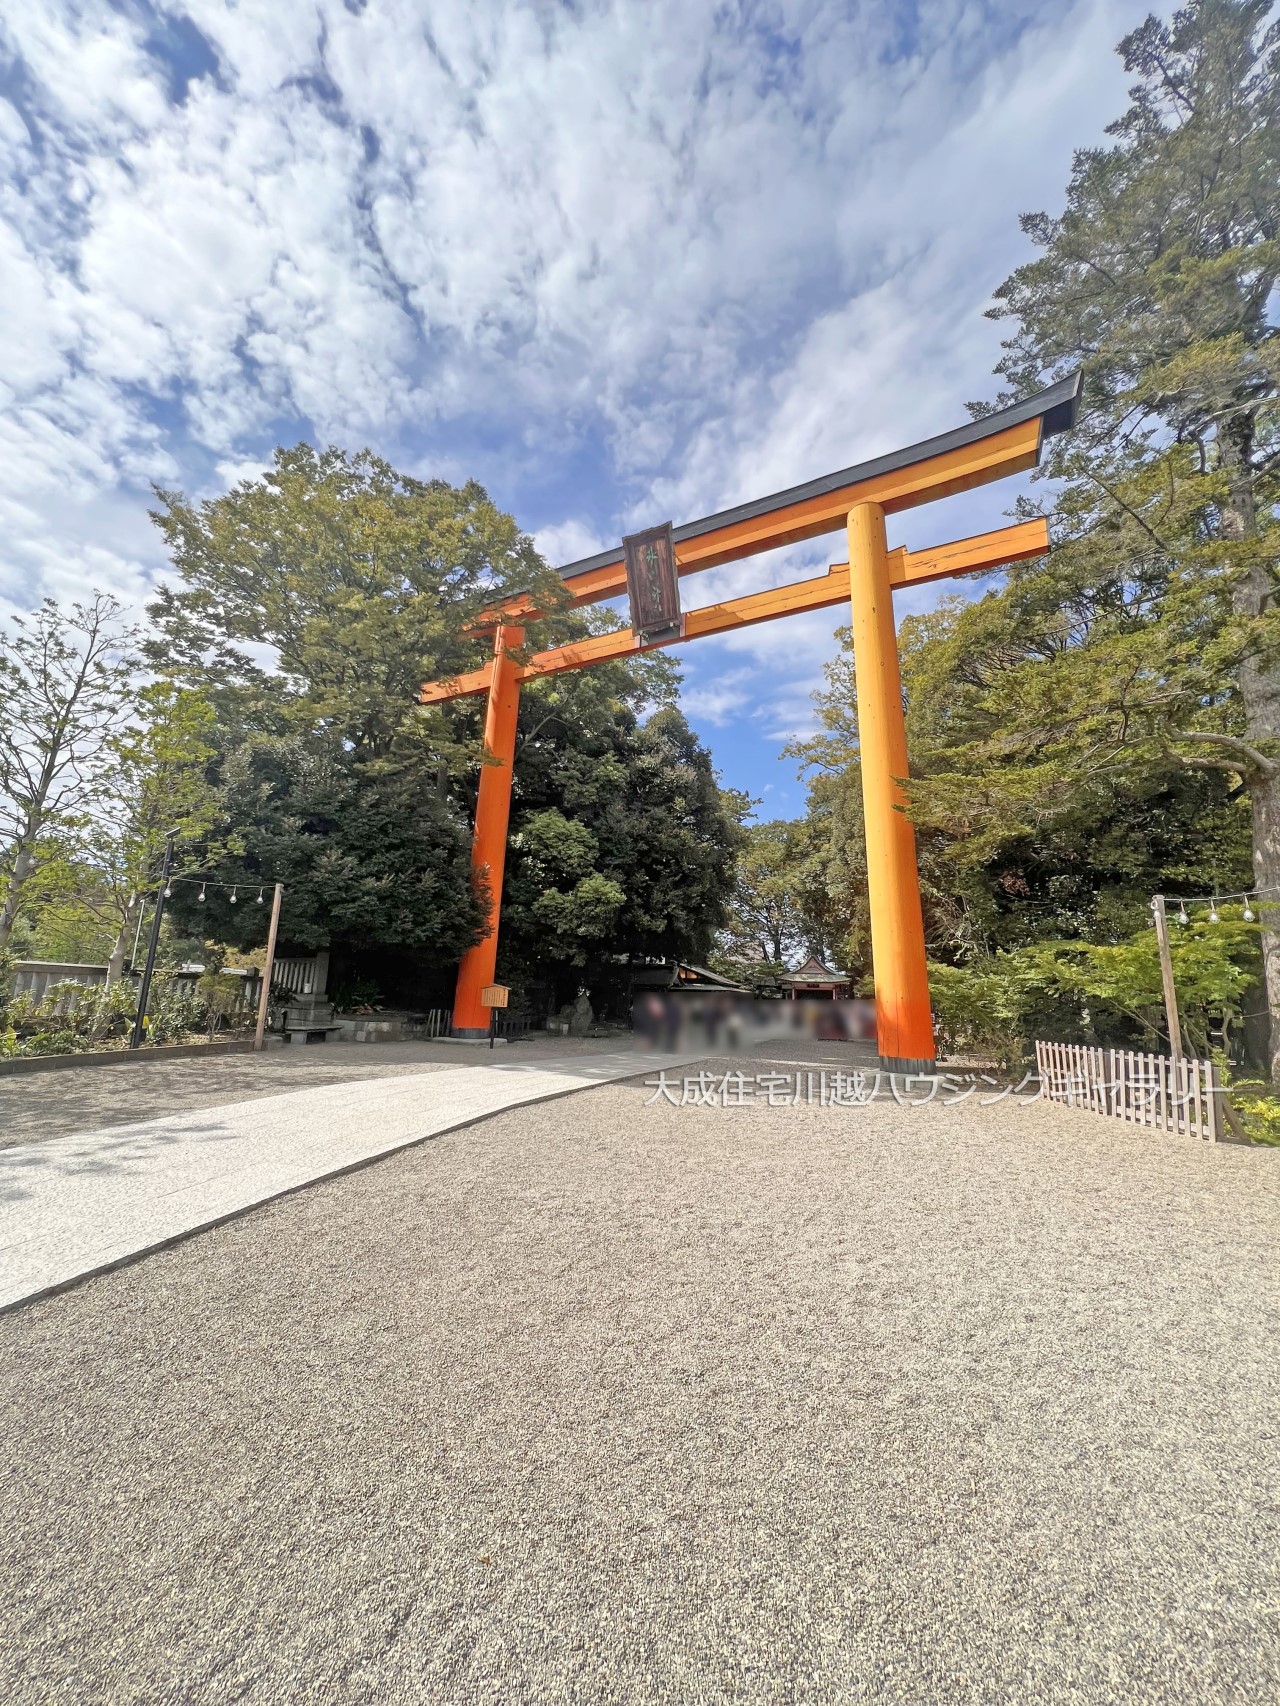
(859, 499)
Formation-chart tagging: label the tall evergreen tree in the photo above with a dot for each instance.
(1160, 277)
(308, 607)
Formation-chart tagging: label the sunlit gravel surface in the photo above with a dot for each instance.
(596, 1402)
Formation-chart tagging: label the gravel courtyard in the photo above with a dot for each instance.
(600, 1402)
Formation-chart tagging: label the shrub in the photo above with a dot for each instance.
(1260, 1116)
(1097, 992)
(978, 1011)
(221, 996)
(74, 1017)
(53, 1042)
(175, 1010)
(70, 1018)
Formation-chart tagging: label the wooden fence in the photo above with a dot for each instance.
(1182, 1096)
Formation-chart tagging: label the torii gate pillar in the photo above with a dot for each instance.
(904, 1025)
(493, 813)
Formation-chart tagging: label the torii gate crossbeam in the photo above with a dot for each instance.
(857, 499)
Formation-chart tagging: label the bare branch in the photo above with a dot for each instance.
(1253, 760)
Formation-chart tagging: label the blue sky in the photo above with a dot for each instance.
(619, 262)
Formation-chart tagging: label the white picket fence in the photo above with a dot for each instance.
(1146, 1089)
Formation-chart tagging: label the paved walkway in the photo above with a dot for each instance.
(98, 1198)
(38, 1108)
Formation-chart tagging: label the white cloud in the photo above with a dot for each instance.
(568, 542)
(719, 700)
(619, 262)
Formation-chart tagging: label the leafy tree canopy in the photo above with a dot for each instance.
(623, 843)
(363, 583)
(361, 580)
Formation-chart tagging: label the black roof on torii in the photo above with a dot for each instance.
(1056, 406)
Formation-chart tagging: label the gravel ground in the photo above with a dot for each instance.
(37, 1105)
(604, 1403)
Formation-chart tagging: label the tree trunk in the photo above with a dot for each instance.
(1259, 685)
(24, 863)
(120, 948)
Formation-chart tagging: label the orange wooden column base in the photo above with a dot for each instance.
(493, 813)
(904, 1020)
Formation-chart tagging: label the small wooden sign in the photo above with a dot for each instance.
(653, 583)
(494, 995)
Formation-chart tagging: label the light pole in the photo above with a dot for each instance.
(144, 989)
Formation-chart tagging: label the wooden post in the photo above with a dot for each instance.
(904, 1019)
(268, 965)
(1166, 977)
(489, 844)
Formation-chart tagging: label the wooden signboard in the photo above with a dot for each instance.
(494, 995)
(653, 583)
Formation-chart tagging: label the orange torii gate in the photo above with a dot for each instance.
(648, 565)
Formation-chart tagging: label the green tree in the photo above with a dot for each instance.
(364, 584)
(370, 858)
(361, 583)
(66, 690)
(835, 865)
(155, 780)
(1028, 829)
(361, 580)
(779, 908)
(1040, 806)
(1160, 279)
(622, 841)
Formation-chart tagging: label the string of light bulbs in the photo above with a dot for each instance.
(1214, 901)
(233, 899)
(206, 885)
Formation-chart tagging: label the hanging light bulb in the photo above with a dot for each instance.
(259, 897)
(201, 895)
(1182, 914)
(1248, 913)
(233, 896)
(168, 890)
(1213, 913)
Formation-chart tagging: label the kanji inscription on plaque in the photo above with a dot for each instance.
(653, 583)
